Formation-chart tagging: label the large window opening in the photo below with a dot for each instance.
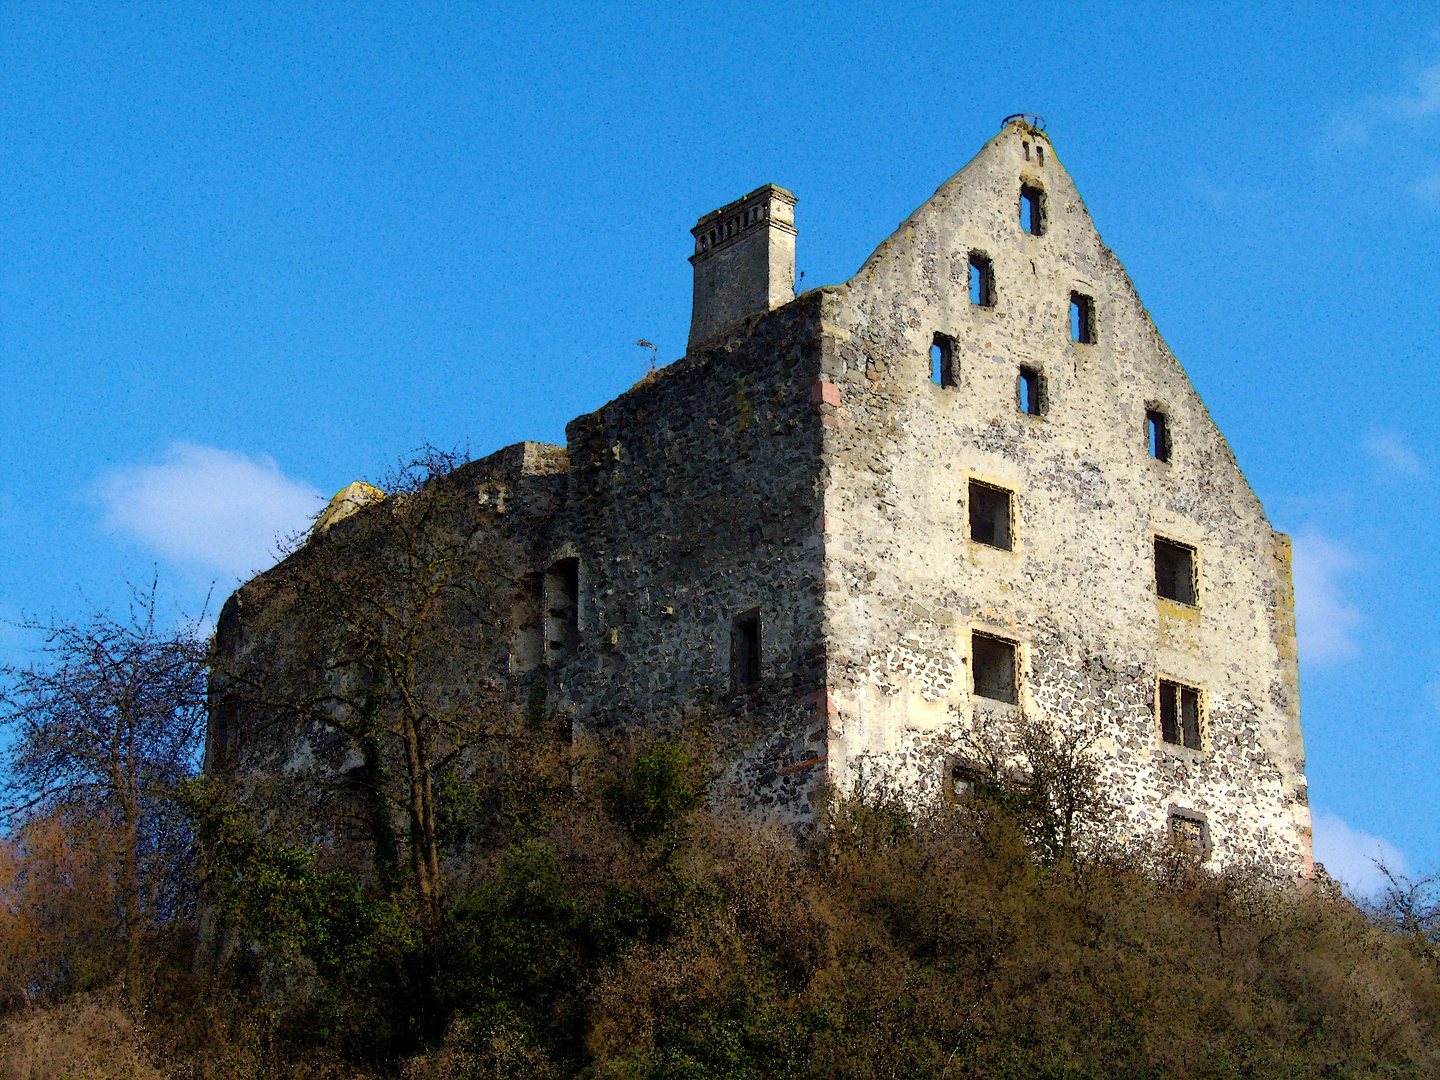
(1030, 391)
(1157, 434)
(1082, 318)
(745, 649)
(1175, 571)
(992, 667)
(1180, 715)
(1032, 209)
(562, 610)
(990, 515)
(982, 280)
(942, 361)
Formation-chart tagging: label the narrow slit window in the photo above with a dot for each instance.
(745, 649)
(1032, 209)
(1175, 571)
(942, 361)
(982, 281)
(1157, 434)
(990, 516)
(562, 610)
(1082, 318)
(1180, 715)
(992, 667)
(1031, 392)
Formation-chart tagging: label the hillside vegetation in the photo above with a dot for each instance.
(622, 929)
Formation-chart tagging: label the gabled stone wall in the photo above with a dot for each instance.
(908, 586)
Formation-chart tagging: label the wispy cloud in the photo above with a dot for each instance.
(215, 510)
(1391, 133)
(1326, 621)
(1392, 453)
(1350, 855)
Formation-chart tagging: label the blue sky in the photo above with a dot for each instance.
(250, 254)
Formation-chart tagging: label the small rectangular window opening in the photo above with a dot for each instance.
(745, 649)
(1040, 153)
(1179, 715)
(1175, 571)
(1031, 392)
(1032, 209)
(982, 281)
(1190, 832)
(992, 667)
(562, 609)
(942, 361)
(1157, 433)
(990, 515)
(1082, 318)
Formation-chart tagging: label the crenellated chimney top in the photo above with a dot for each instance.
(744, 261)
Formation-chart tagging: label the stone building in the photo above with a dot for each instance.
(970, 481)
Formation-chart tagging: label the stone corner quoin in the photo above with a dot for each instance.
(969, 484)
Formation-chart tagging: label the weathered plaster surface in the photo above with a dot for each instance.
(905, 586)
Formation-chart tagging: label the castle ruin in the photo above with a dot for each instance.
(970, 482)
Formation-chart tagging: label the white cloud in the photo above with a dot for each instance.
(1393, 135)
(217, 510)
(1325, 620)
(1350, 854)
(1424, 101)
(1391, 451)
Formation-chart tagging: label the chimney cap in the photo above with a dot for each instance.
(768, 206)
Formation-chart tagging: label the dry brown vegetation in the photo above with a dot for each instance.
(629, 932)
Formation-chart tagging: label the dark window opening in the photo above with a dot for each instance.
(961, 779)
(982, 281)
(745, 649)
(1026, 145)
(992, 667)
(990, 515)
(1175, 571)
(1031, 392)
(1040, 153)
(1082, 318)
(1032, 209)
(562, 609)
(1157, 433)
(1180, 715)
(942, 361)
(1190, 832)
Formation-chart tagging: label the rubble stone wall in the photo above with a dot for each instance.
(906, 585)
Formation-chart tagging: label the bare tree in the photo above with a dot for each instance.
(1046, 779)
(106, 726)
(394, 618)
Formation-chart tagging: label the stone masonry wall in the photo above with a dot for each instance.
(693, 498)
(906, 585)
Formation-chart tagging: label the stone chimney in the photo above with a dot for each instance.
(744, 261)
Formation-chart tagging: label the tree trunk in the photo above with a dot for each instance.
(418, 862)
(130, 896)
